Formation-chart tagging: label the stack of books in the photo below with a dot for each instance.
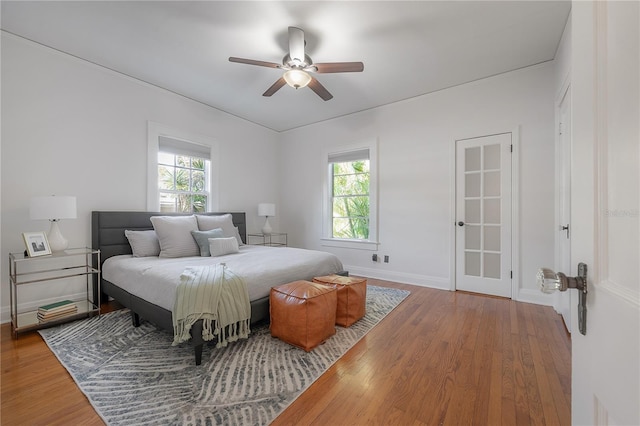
(56, 310)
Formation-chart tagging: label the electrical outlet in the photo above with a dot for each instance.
(386, 259)
(374, 257)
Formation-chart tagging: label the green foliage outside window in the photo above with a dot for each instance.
(182, 183)
(351, 200)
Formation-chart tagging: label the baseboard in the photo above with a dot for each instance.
(524, 295)
(400, 277)
(537, 297)
(5, 312)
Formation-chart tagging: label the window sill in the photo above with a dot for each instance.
(350, 244)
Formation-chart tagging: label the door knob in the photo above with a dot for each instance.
(461, 223)
(549, 281)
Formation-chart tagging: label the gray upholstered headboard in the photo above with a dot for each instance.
(107, 229)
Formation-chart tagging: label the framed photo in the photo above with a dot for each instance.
(36, 243)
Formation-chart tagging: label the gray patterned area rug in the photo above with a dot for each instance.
(133, 376)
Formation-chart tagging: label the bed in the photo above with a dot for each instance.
(127, 279)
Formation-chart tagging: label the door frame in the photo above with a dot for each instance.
(515, 207)
(562, 301)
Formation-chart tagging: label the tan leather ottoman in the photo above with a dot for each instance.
(352, 297)
(303, 313)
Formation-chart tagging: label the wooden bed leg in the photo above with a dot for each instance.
(135, 319)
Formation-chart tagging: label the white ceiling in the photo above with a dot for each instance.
(408, 48)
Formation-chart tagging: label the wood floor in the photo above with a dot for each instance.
(440, 357)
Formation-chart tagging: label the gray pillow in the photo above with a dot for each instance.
(202, 238)
(224, 221)
(144, 243)
(174, 234)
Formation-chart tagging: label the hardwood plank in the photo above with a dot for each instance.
(508, 374)
(483, 360)
(463, 394)
(440, 357)
(494, 409)
(560, 380)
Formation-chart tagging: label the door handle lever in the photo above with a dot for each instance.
(549, 281)
(565, 228)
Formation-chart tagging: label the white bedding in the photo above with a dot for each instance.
(155, 279)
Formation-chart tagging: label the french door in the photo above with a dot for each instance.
(483, 215)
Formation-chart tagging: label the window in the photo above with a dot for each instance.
(351, 195)
(182, 183)
(182, 171)
(350, 198)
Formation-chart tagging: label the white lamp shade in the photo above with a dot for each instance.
(266, 209)
(53, 207)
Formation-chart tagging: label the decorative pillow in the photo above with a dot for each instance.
(202, 238)
(224, 221)
(174, 234)
(222, 246)
(143, 243)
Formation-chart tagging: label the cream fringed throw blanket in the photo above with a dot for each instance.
(218, 297)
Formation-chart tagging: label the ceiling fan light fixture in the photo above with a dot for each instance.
(297, 65)
(297, 78)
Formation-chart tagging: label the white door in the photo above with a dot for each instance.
(563, 236)
(483, 215)
(605, 210)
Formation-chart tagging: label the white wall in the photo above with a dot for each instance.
(416, 139)
(73, 128)
(563, 58)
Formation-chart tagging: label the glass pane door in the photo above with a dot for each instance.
(483, 202)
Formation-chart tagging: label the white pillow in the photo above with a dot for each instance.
(222, 246)
(143, 243)
(174, 234)
(223, 221)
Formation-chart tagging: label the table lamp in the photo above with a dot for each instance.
(266, 210)
(54, 208)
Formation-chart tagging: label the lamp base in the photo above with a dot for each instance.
(266, 229)
(56, 241)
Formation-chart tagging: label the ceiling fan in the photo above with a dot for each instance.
(298, 65)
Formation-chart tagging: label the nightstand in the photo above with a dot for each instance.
(75, 262)
(275, 239)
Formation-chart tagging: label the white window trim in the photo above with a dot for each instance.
(372, 242)
(154, 131)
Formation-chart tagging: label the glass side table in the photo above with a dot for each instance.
(275, 239)
(74, 262)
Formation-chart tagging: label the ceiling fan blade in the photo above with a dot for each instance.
(275, 87)
(254, 62)
(296, 44)
(315, 85)
(339, 67)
